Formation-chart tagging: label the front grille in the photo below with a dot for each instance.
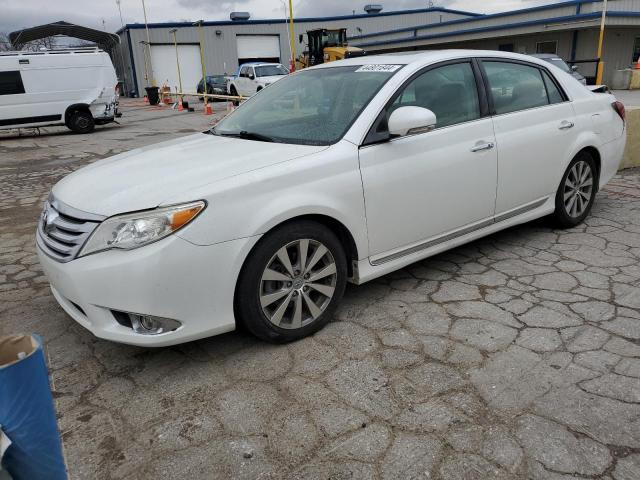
(63, 230)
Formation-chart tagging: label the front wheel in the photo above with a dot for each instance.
(291, 282)
(81, 121)
(577, 191)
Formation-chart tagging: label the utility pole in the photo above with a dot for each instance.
(600, 68)
(146, 26)
(293, 42)
(144, 55)
(175, 43)
(204, 65)
(124, 68)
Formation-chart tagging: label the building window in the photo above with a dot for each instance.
(506, 47)
(11, 83)
(547, 47)
(636, 50)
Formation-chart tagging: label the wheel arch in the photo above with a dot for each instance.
(76, 107)
(595, 154)
(586, 142)
(338, 228)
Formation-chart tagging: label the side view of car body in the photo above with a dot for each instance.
(74, 87)
(341, 172)
(216, 84)
(562, 65)
(253, 77)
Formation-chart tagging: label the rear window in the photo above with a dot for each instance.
(515, 86)
(11, 83)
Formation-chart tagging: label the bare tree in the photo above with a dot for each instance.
(5, 44)
(46, 43)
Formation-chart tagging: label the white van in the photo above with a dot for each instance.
(74, 87)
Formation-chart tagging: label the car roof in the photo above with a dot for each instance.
(545, 55)
(428, 57)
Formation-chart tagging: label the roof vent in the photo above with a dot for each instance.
(373, 8)
(239, 16)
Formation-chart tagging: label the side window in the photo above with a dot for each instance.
(515, 86)
(11, 83)
(552, 90)
(449, 91)
(243, 71)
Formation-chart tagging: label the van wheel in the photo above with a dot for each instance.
(234, 93)
(291, 282)
(81, 121)
(576, 192)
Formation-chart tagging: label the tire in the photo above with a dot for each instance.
(574, 199)
(279, 303)
(81, 121)
(234, 93)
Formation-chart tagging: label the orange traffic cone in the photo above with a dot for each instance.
(207, 109)
(180, 107)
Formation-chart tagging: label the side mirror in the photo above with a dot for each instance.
(411, 121)
(574, 68)
(251, 77)
(300, 38)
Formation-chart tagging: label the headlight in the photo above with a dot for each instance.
(134, 230)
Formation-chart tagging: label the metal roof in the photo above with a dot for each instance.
(298, 20)
(103, 39)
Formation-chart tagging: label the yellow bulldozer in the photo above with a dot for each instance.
(326, 45)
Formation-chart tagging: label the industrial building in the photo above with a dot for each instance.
(569, 29)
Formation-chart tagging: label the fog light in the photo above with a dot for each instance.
(150, 325)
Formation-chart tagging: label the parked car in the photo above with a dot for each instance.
(562, 65)
(216, 84)
(369, 165)
(253, 77)
(74, 87)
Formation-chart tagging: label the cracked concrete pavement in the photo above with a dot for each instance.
(516, 356)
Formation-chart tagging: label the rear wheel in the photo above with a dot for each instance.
(292, 282)
(234, 93)
(81, 121)
(577, 191)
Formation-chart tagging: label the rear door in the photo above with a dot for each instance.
(534, 127)
(242, 81)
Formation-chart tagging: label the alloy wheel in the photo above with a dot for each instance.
(578, 189)
(298, 283)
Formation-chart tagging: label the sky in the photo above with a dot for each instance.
(103, 14)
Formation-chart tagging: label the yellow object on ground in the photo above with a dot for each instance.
(635, 80)
(632, 151)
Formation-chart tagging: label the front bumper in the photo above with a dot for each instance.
(171, 278)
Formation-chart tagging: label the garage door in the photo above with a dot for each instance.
(165, 70)
(258, 48)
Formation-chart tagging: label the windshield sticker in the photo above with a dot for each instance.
(378, 68)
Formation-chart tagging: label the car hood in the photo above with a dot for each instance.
(151, 176)
(271, 79)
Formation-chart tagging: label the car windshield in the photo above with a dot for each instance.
(311, 107)
(558, 62)
(270, 70)
(216, 78)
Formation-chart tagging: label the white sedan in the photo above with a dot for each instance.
(338, 173)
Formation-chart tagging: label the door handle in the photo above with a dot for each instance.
(483, 146)
(565, 125)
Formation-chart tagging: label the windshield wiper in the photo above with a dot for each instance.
(255, 136)
(245, 135)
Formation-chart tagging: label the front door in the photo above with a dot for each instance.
(421, 187)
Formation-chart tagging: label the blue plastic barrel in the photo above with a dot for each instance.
(27, 414)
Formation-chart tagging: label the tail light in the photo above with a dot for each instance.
(619, 108)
